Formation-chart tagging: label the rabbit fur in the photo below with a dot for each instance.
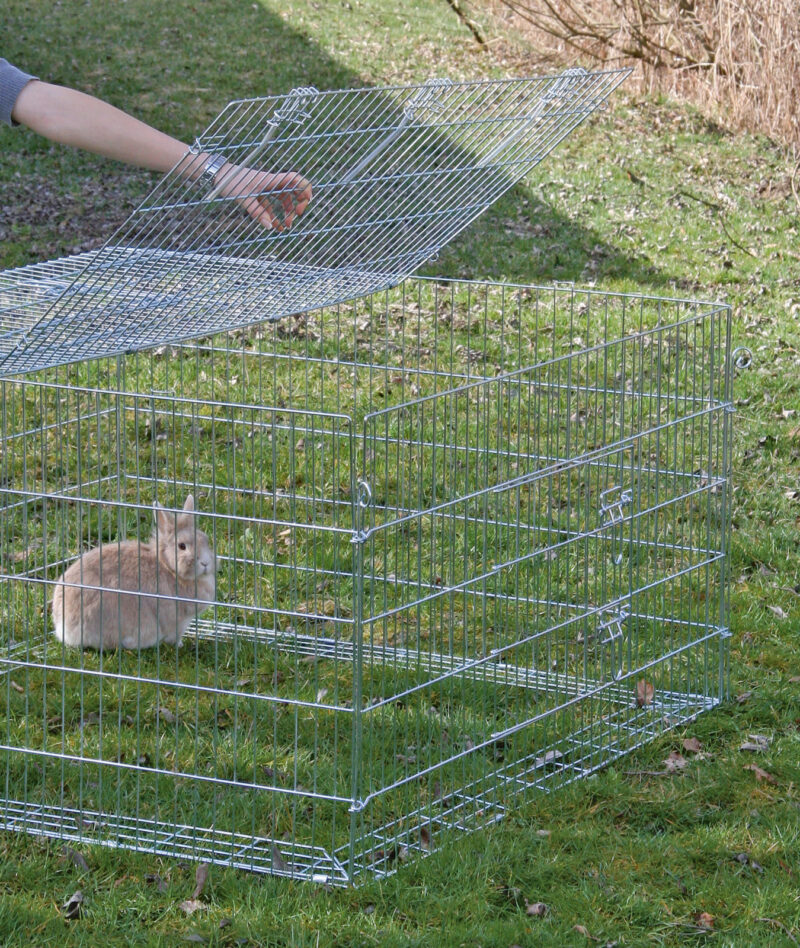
(134, 595)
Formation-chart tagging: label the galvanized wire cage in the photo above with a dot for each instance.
(470, 539)
(472, 546)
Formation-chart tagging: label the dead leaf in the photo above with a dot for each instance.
(743, 697)
(72, 907)
(746, 860)
(692, 745)
(425, 837)
(644, 693)
(757, 743)
(675, 762)
(76, 858)
(551, 757)
(778, 612)
(157, 881)
(278, 860)
(704, 920)
(536, 909)
(195, 938)
(167, 715)
(16, 687)
(761, 775)
(321, 694)
(583, 930)
(190, 906)
(200, 877)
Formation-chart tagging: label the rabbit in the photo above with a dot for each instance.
(159, 581)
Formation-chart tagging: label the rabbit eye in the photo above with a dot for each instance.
(181, 546)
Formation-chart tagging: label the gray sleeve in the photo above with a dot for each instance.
(12, 82)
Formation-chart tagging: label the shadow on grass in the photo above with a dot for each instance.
(176, 67)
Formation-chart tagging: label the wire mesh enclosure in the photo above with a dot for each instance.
(470, 545)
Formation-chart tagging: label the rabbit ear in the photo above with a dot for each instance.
(164, 521)
(189, 505)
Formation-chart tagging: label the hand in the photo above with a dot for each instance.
(274, 200)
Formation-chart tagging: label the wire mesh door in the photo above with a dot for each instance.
(397, 172)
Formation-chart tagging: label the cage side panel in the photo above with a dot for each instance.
(237, 735)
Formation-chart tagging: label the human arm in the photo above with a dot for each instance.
(74, 118)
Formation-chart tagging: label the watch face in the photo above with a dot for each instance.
(213, 165)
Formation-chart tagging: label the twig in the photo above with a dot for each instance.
(734, 241)
(695, 197)
(471, 25)
(783, 928)
(794, 184)
(718, 208)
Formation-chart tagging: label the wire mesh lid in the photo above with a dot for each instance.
(396, 172)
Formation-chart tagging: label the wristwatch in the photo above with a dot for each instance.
(211, 169)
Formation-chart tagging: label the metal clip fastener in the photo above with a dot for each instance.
(292, 109)
(611, 507)
(612, 634)
(566, 85)
(426, 97)
(612, 502)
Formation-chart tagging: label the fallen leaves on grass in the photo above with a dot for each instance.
(76, 858)
(536, 909)
(200, 878)
(190, 906)
(278, 862)
(425, 837)
(692, 745)
(757, 743)
(675, 762)
(73, 906)
(153, 879)
(745, 859)
(761, 775)
(645, 693)
(704, 920)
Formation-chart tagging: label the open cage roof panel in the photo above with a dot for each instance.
(397, 172)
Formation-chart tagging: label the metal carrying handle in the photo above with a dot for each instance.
(364, 494)
(293, 109)
(562, 87)
(423, 98)
(742, 357)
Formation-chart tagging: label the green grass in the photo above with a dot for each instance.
(651, 198)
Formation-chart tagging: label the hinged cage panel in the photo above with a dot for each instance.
(472, 545)
(396, 173)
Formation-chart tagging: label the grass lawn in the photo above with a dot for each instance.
(649, 197)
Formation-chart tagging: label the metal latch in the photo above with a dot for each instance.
(613, 501)
(612, 635)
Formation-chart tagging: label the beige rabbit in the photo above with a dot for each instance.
(134, 595)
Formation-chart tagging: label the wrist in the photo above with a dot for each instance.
(205, 167)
